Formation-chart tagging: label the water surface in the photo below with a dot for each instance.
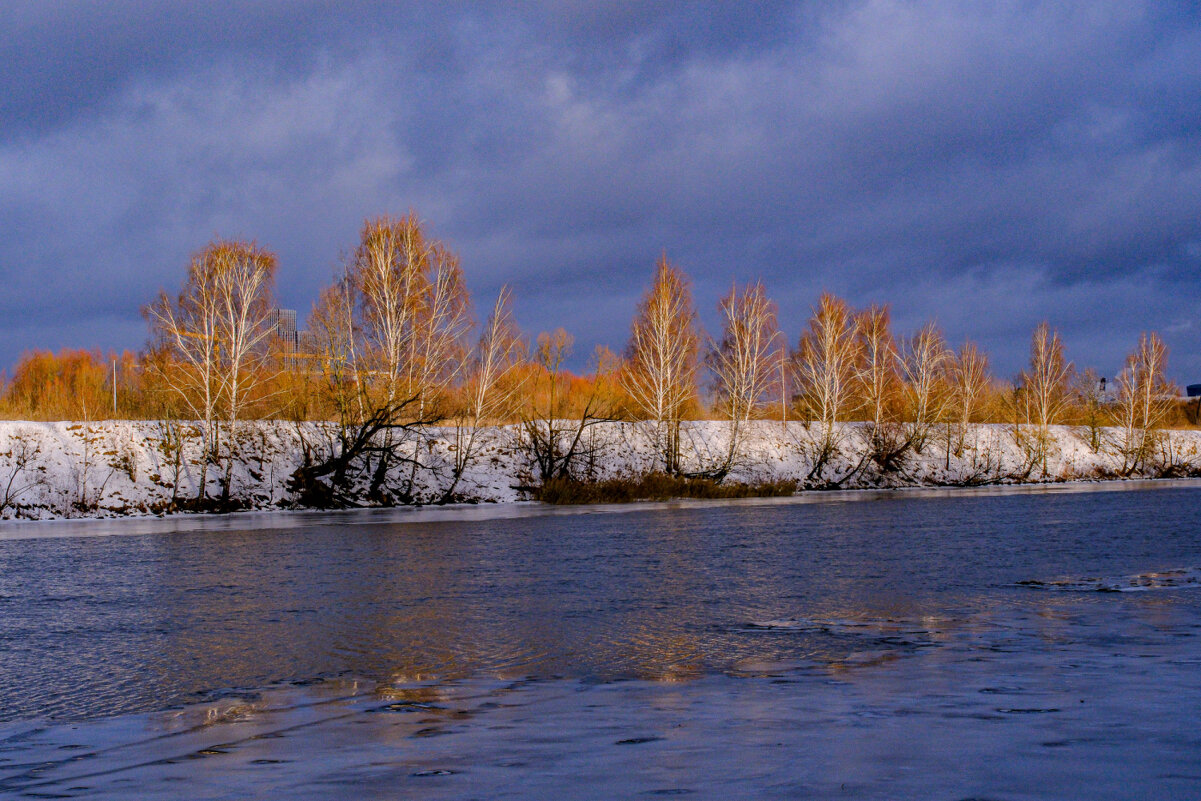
(978, 645)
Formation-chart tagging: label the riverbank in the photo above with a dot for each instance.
(144, 468)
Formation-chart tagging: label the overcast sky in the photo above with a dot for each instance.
(987, 164)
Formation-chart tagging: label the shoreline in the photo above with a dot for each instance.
(270, 520)
(137, 470)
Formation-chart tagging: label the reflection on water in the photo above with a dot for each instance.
(102, 626)
(917, 646)
(966, 720)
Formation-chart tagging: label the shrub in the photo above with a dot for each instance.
(653, 487)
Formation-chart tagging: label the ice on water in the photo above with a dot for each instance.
(1171, 579)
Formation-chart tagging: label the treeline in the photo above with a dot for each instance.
(393, 346)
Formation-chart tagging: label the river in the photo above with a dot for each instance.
(907, 644)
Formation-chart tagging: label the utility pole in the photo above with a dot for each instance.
(783, 394)
(114, 389)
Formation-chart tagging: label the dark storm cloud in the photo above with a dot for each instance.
(989, 165)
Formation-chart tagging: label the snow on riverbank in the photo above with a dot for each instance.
(120, 468)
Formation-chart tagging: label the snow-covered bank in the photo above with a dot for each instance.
(110, 469)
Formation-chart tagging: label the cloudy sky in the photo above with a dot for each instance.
(988, 164)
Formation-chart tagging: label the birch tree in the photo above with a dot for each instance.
(925, 360)
(492, 386)
(414, 313)
(1088, 399)
(1045, 390)
(824, 366)
(390, 335)
(211, 335)
(1144, 400)
(184, 332)
(389, 277)
(661, 364)
(744, 362)
(359, 395)
(245, 278)
(878, 385)
(556, 420)
(439, 350)
(970, 382)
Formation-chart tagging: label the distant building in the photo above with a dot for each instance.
(286, 329)
(1107, 392)
(307, 343)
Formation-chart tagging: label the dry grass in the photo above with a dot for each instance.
(654, 487)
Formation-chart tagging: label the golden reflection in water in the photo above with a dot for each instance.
(656, 655)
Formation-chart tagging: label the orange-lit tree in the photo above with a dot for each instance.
(492, 386)
(215, 336)
(68, 385)
(878, 385)
(1044, 392)
(561, 410)
(925, 361)
(1145, 398)
(661, 360)
(389, 341)
(745, 362)
(969, 384)
(824, 366)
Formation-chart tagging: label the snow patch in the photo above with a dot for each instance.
(128, 468)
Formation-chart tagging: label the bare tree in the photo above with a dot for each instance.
(1145, 398)
(185, 330)
(415, 313)
(1045, 390)
(86, 497)
(925, 362)
(21, 472)
(970, 382)
(332, 338)
(389, 337)
(244, 278)
(363, 397)
(544, 420)
(171, 440)
(878, 369)
(661, 367)
(493, 385)
(414, 307)
(213, 335)
(825, 369)
(744, 362)
(555, 420)
(1087, 397)
(878, 385)
(442, 326)
(387, 277)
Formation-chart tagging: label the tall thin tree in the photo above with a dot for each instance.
(1045, 390)
(744, 361)
(213, 335)
(824, 366)
(970, 382)
(661, 364)
(1144, 400)
(492, 386)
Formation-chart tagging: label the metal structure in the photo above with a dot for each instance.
(285, 330)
